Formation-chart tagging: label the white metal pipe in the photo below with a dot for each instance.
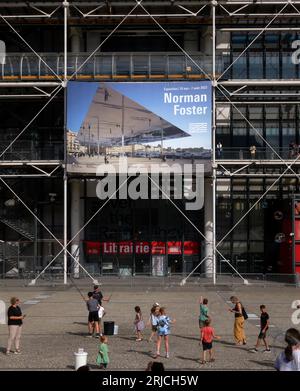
(65, 227)
(232, 29)
(262, 82)
(259, 102)
(66, 10)
(29, 84)
(214, 261)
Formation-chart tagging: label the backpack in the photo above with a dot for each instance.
(162, 323)
(245, 315)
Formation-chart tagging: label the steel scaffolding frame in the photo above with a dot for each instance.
(218, 86)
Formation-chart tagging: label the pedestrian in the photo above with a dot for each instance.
(207, 337)
(93, 319)
(239, 321)
(219, 149)
(203, 313)
(252, 150)
(97, 294)
(154, 314)
(102, 358)
(101, 314)
(15, 321)
(289, 360)
(163, 331)
(138, 324)
(264, 326)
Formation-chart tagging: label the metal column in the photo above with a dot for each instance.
(214, 263)
(66, 10)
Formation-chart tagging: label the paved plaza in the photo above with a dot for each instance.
(56, 325)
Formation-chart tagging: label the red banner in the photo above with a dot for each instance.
(109, 247)
(142, 248)
(93, 248)
(125, 248)
(191, 248)
(174, 248)
(158, 248)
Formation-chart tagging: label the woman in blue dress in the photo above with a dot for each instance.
(163, 331)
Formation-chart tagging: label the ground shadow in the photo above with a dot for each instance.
(237, 347)
(81, 323)
(269, 364)
(185, 337)
(188, 359)
(149, 353)
(127, 338)
(80, 334)
(220, 341)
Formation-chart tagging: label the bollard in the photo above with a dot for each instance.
(80, 358)
(2, 312)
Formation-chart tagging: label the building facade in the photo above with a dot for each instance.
(249, 54)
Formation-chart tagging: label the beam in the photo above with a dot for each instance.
(17, 84)
(262, 82)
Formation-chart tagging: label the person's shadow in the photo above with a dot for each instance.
(269, 364)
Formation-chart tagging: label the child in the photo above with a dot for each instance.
(93, 319)
(163, 330)
(207, 337)
(138, 323)
(154, 313)
(102, 357)
(264, 325)
(101, 313)
(203, 313)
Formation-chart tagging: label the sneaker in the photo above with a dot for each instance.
(18, 351)
(7, 352)
(97, 335)
(90, 336)
(267, 351)
(167, 355)
(157, 355)
(253, 350)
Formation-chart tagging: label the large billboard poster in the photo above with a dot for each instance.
(143, 121)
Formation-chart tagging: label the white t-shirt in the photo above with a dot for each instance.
(282, 365)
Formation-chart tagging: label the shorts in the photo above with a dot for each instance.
(206, 345)
(262, 335)
(163, 333)
(93, 316)
(154, 328)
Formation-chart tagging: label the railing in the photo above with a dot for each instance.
(262, 153)
(26, 150)
(106, 66)
(140, 65)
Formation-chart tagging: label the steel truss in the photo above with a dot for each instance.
(232, 10)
